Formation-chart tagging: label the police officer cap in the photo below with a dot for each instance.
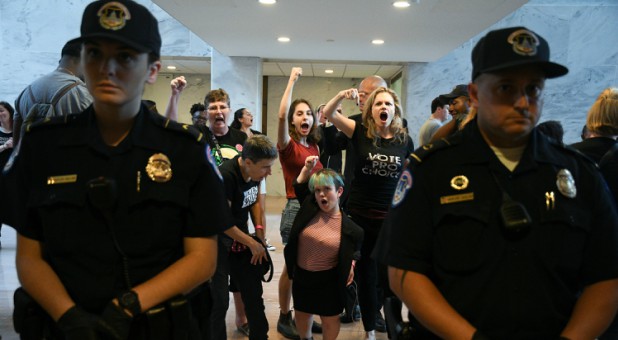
(510, 47)
(458, 91)
(122, 20)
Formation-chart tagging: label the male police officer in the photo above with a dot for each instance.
(500, 233)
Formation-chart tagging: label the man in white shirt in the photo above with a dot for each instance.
(440, 114)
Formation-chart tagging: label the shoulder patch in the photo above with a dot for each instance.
(188, 130)
(51, 121)
(212, 162)
(403, 185)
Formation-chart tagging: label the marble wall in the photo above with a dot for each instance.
(581, 35)
(32, 33)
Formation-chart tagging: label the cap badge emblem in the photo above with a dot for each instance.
(459, 182)
(159, 168)
(524, 42)
(113, 15)
(566, 183)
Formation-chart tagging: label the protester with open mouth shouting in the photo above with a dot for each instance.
(381, 147)
(298, 135)
(324, 245)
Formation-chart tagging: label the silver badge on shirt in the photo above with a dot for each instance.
(566, 183)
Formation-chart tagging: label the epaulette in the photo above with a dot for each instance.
(51, 121)
(421, 154)
(185, 129)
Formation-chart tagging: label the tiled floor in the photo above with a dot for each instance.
(8, 283)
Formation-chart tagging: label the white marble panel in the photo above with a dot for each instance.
(241, 78)
(580, 35)
(32, 34)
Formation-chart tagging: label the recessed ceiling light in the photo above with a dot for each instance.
(283, 39)
(401, 4)
(377, 41)
(171, 67)
(328, 71)
(267, 2)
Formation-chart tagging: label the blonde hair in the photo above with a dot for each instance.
(396, 127)
(603, 115)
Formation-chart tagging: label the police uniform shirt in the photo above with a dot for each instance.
(242, 195)
(376, 170)
(150, 217)
(444, 223)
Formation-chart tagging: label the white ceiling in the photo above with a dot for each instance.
(334, 34)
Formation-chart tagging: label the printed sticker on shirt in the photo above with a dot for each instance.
(403, 185)
(213, 162)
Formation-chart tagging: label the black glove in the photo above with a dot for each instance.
(77, 324)
(118, 320)
(479, 336)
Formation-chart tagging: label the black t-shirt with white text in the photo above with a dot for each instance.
(376, 170)
(242, 195)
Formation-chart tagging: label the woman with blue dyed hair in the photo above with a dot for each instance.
(323, 248)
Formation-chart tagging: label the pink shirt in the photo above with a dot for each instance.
(318, 243)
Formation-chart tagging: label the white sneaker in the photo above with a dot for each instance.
(370, 335)
(269, 246)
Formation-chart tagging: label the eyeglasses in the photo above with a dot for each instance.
(216, 108)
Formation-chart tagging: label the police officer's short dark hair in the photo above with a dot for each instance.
(259, 147)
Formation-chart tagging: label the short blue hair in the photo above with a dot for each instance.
(325, 177)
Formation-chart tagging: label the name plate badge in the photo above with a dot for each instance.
(457, 198)
(61, 179)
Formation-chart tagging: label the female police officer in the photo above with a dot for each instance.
(117, 204)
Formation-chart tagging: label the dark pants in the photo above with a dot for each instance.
(249, 282)
(219, 289)
(369, 275)
(201, 305)
(351, 299)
